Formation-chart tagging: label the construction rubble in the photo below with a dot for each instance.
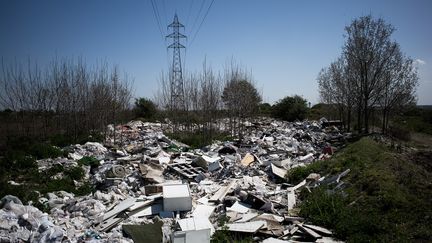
(150, 188)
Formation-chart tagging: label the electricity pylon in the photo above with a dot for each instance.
(176, 85)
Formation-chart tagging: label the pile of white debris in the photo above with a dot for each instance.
(150, 188)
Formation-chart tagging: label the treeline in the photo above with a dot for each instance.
(209, 96)
(67, 97)
(372, 75)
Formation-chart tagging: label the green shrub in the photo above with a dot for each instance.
(43, 151)
(85, 189)
(89, 161)
(300, 173)
(324, 208)
(75, 173)
(145, 108)
(24, 162)
(290, 108)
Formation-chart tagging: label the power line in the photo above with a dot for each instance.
(196, 19)
(189, 12)
(208, 10)
(157, 20)
(164, 11)
(156, 14)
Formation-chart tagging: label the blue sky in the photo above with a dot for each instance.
(283, 43)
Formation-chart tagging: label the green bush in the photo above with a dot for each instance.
(43, 151)
(264, 109)
(85, 189)
(75, 173)
(145, 108)
(297, 174)
(290, 108)
(24, 162)
(89, 161)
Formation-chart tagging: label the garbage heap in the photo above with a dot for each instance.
(150, 188)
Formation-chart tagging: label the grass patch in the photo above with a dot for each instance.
(388, 196)
(18, 164)
(23, 170)
(416, 120)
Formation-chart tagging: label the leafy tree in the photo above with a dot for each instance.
(290, 108)
(265, 109)
(241, 98)
(145, 108)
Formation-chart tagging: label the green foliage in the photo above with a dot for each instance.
(75, 173)
(43, 151)
(22, 169)
(241, 98)
(322, 110)
(18, 164)
(299, 173)
(290, 108)
(85, 189)
(415, 120)
(23, 162)
(265, 109)
(145, 108)
(382, 202)
(89, 161)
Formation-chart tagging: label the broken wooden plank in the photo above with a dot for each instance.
(122, 206)
(318, 229)
(291, 196)
(310, 232)
(148, 211)
(293, 230)
(342, 175)
(109, 224)
(221, 193)
(301, 184)
(272, 217)
(248, 227)
(247, 217)
(139, 205)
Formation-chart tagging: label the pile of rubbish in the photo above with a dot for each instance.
(150, 188)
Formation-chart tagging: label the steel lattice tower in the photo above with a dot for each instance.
(177, 92)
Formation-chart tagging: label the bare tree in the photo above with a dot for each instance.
(240, 97)
(66, 97)
(336, 88)
(398, 89)
(371, 73)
